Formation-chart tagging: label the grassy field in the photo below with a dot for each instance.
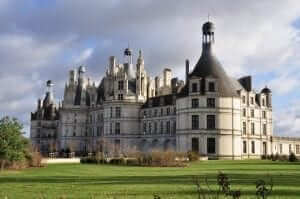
(106, 181)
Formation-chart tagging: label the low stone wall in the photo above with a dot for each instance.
(60, 160)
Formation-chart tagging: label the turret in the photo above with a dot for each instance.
(49, 98)
(128, 66)
(268, 94)
(187, 70)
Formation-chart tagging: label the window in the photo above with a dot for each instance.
(211, 145)
(297, 149)
(161, 127)
(252, 112)
(195, 103)
(168, 127)
(155, 112)
(253, 147)
(145, 113)
(150, 128)
(111, 112)
(244, 128)
(117, 128)
(121, 85)
(244, 112)
(211, 86)
(263, 102)
(110, 128)
(244, 146)
(155, 127)
(195, 122)
(168, 111)
(244, 99)
(252, 128)
(161, 112)
(117, 146)
(145, 127)
(118, 112)
(280, 148)
(211, 102)
(264, 148)
(174, 127)
(252, 100)
(174, 111)
(290, 148)
(150, 113)
(264, 115)
(120, 96)
(194, 87)
(195, 145)
(98, 130)
(264, 129)
(211, 121)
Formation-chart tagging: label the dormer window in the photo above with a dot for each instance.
(121, 85)
(211, 87)
(194, 87)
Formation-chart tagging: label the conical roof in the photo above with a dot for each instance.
(209, 66)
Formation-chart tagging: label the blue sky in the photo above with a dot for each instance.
(43, 39)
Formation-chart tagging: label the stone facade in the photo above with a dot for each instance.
(209, 113)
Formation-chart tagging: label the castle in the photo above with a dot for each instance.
(209, 112)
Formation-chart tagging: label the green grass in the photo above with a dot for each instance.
(107, 181)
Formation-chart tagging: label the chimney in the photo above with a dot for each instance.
(187, 70)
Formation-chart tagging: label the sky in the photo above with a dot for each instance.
(44, 39)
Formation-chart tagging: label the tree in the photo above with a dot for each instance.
(12, 143)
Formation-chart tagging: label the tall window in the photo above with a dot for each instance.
(195, 122)
(161, 112)
(194, 87)
(121, 85)
(117, 128)
(155, 112)
(252, 128)
(195, 103)
(253, 147)
(264, 114)
(211, 121)
(118, 112)
(252, 112)
(264, 129)
(211, 87)
(290, 148)
(174, 128)
(244, 146)
(211, 102)
(244, 112)
(280, 148)
(297, 149)
(111, 112)
(168, 127)
(110, 128)
(252, 100)
(168, 111)
(150, 128)
(155, 127)
(263, 102)
(161, 127)
(264, 148)
(244, 128)
(244, 99)
(211, 145)
(145, 127)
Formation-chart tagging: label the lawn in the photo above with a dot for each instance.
(122, 182)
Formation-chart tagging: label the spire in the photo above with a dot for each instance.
(140, 59)
(49, 98)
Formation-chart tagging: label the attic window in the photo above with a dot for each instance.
(194, 87)
(121, 85)
(211, 87)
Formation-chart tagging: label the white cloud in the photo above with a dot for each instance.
(84, 56)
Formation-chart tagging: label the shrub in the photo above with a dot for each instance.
(193, 156)
(292, 157)
(283, 158)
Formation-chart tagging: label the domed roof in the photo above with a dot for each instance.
(266, 90)
(209, 66)
(208, 28)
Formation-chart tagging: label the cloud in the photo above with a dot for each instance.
(43, 40)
